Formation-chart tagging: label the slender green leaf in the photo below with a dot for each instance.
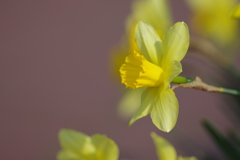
(221, 141)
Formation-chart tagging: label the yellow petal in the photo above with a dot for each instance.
(173, 70)
(130, 102)
(147, 102)
(106, 148)
(148, 42)
(164, 112)
(187, 158)
(78, 146)
(68, 155)
(155, 12)
(165, 151)
(77, 143)
(175, 44)
(236, 13)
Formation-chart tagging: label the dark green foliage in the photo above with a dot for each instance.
(229, 149)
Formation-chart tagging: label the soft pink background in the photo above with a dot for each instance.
(54, 73)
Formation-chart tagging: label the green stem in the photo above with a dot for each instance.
(180, 80)
(230, 91)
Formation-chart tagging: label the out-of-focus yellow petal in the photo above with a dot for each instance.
(105, 147)
(236, 13)
(187, 158)
(175, 44)
(154, 12)
(148, 41)
(77, 143)
(117, 59)
(164, 112)
(165, 151)
(68, 155)
(132, 43)
(78, 146)
(130, 102)
(147, 102)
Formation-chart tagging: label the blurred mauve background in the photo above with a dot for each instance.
(54, 73)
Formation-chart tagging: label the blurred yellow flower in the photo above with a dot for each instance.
(78, 146)
(236, 13)
(212, 19)
(155, 12)
(154, 66)
(165, 151)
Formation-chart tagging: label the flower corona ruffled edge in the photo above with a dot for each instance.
(137, 72)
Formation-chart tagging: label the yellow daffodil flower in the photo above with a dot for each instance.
(212, 19)
(155, 66)
(78, 146)
(154, 12)
(165, 151)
